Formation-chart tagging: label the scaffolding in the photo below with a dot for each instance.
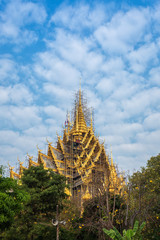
(78, 155)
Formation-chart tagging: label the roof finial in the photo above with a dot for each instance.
(11, 168)
(30, 157)
(20, 163)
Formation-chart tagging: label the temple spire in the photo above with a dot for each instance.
(76, 118)
(80, 125)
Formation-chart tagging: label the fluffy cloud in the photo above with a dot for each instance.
(152, 121)
(52, 68)
(116, 53)
(18, 94)
(14, 144)
(142, 103)
(8, 70)
(53, 111)
(143, 57)
(154, 76)
(124, 30)
(71, 16)
(13, 20)
(19, 117)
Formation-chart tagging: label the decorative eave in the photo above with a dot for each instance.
(13, 174)
(21, 169)
(32, 163)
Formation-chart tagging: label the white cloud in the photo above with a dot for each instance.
(15, 145)
(129, 164)
(8, 70)
(124, 30)
(79, 17)
(62, 96)
(19, 117)
(150, 139)
(156, 16)
(142, 102)
(140, 59)
(105, 86)
(77, 52)
(119, 84)
(115, 53)
(130, 148)
(55, 112)
(113, 65)
(154, 75)
(54, 69)
(127, 130)
(125, 90)
(16, 16)
(56, 91)
(18, 94)
(152, 121)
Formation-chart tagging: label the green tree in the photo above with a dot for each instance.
(144, 198)
(46, 190)
(12, 197)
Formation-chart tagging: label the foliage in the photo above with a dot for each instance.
(134, 234)
(95, 215)
(144, 197)
(30, 217)
(46, 190)
(70, 213)
(12, 196)
(141, 202)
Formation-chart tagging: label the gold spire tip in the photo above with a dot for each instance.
(80, 83)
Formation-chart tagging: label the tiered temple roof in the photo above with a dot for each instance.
(81, 158)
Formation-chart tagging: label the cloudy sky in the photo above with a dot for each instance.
(47, 46)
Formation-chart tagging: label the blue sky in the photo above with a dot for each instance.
(47, 46)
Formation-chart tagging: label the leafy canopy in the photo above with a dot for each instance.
(12, 197)
(46, 188)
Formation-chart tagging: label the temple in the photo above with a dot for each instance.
(80, 157)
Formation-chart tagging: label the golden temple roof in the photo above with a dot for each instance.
(80, 157)
(80, 125)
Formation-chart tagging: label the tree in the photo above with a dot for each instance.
(12, 197)
(144, 198)
(96, 217)
(46, 190)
